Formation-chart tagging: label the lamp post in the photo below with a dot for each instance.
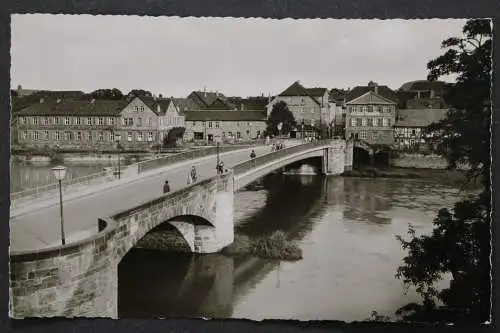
(59, 173)
(118, 138)
(280, 126)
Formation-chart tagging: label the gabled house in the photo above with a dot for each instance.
(410, 125)
(310, 107)
(371, 113)
(209, 101)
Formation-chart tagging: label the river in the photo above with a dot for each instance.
(345, 227)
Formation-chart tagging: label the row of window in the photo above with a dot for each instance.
(369, 108)
(83, 136)
(371, 122)
(229, 135)
(215, 124)
(367, 135)
(39, 120)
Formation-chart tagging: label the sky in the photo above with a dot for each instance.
(173, 56)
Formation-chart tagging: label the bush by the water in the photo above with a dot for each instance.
(274, 246)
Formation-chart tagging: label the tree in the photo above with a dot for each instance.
(107, 94)
(460, 241)
(139, 93)
(280, 114)
(172, 136)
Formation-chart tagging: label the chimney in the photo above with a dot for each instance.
(42, 100)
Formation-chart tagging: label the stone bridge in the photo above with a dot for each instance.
(81, 279)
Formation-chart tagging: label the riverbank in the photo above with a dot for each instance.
(449, 176)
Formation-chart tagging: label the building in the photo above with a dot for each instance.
(337, 102)
(423, 94)
(204, 100)
(80, 124)
(310, 107)
(224, 125)
(409, 127)
(371, 114)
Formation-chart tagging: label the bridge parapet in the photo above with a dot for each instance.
(272, 156)
(81, 279)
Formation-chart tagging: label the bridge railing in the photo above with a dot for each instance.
(185, 156)
(52, 186)
(261, 160)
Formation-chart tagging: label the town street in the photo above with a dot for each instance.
(41, 229)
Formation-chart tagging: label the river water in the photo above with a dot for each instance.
(345, 227)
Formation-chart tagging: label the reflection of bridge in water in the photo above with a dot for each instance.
(209, 285)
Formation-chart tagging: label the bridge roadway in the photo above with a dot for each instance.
(40, 228)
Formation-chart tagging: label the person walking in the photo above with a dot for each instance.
(194, 176)
(252, 154)
(166, 187)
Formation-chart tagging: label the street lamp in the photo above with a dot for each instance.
(59, 173)
(118, 138)
(280, 126)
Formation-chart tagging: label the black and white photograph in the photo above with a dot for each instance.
(250, 168)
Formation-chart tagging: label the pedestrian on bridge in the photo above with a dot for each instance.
(166, 187)
(252, 154)
(194, 176)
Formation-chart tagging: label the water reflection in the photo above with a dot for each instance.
(345, 228)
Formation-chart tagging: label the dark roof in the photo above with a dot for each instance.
(383, 91)
(186, 104)
(337, 94)
(250, 103)
(153, 103)
(205, 98)
(316, 92)
(296, 89)
(225, 115)
(423, 85)
(419, 117)
(74, 108)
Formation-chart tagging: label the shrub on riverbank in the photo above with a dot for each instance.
(274, 246)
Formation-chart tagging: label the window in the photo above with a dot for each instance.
(129, 121)
(363, 122)
(209, 124)
(78, 136)
(66, 120)
(358, 122)
(385, 122)
(353, 122)
(35, 135)
(370, 108)
(238, 135)
(24, 135)
(110, 121)
(136, 108)
(363, 135)
(150, 121)
(57, 136)
(22, 120)
(370, 122)
(100, 121)
(141, 108)
(129, 136)
(78, 120)
(139, 136)
(363, 109)
(248, 133)
(67, 135)
(386, 109)
(45, 135)
(198, 135)
(100, 136)
(223, 134)
(230, 134)
(89, 121)
(258, 133)
(150, 136)
(139, 121)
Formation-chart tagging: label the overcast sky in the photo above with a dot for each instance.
(174, 56)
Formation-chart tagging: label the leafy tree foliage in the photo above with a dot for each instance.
(460, 242)
(108, 94)
(139, 93)
(280, 114)
(172, 136)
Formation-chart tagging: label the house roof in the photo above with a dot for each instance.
(186, 104)
(423, 85)
(225, 115)
(153, 104)
(74, 108)
(317, 92)
(250, 103)
(296, 89)
(383, 91)
(205, 98)
(419, 117)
